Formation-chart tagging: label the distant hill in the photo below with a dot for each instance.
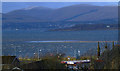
(71, 13)
(74, 13)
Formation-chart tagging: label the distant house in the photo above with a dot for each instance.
(9, 62)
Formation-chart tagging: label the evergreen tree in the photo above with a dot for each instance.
(98, 50)
(113, 44)
(106, 45)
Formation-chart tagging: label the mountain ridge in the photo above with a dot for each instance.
(69, 15)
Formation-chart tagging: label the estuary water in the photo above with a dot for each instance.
(29, 42)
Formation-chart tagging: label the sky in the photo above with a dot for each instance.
(10, 6)
(60, 0)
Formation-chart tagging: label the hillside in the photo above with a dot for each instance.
(64, 16)
(70, 13)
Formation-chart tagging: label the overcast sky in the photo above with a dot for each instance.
(10, 6)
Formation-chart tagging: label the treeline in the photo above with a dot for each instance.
(109, 59)
(88, 27)
(60, 25)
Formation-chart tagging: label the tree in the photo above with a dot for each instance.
(106, 45)
(113, 44)
(98, 50)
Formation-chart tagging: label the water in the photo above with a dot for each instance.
(16, 42)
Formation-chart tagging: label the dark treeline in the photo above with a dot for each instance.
(61, 26)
